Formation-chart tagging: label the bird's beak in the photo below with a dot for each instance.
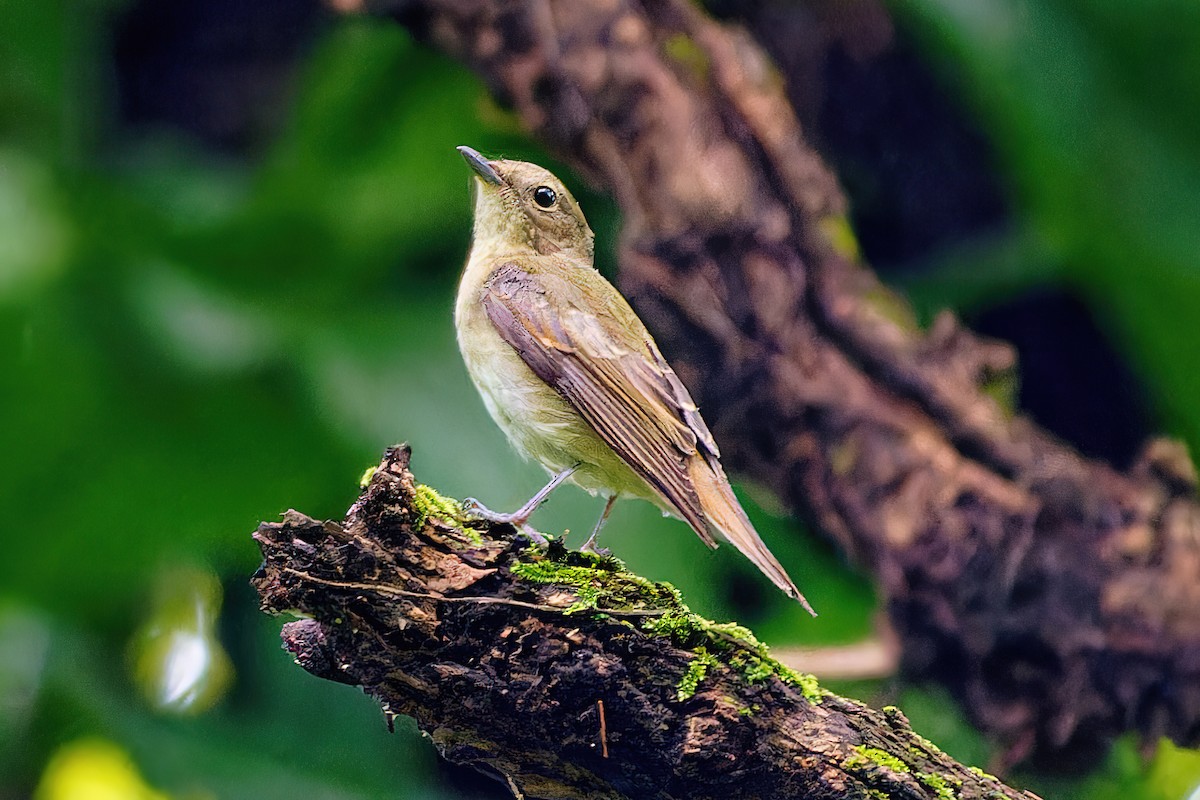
(483, 168)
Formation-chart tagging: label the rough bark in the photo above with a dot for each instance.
(563, 675)
(1056, 596)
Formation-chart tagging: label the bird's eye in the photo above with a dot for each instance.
(544, 196)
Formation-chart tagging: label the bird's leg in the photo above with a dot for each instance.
(590, 545)
(521, 516)
(534, 535)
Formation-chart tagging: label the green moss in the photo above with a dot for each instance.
(589, 599)
(754, 670)
(864, 757)
(545, 571)
(807, 683)
(599, 582)
(366, 476)
(1002, 386)
(893, 307)
(735, 645)
(840, 234)
(686, 53)
(987, 776)
(919, 751)
(873, 756)
(926, 746)
(753, 662)
(855, 763)
(696, 672)
(602, 584)
(428, 503)
(946, 788)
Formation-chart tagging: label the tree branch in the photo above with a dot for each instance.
(565, 676)
(1054, 595)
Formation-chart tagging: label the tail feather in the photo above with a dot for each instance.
(726, 517)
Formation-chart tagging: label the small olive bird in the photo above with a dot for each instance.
(571, 375)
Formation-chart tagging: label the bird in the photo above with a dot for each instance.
(572, 376)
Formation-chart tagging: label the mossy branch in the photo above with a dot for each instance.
(562, 673)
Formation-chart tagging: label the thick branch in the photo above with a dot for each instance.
(565, 676)
(1056, 596)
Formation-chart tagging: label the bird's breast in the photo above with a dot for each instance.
(537, 420)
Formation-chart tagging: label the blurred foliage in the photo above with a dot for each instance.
(193, 342)
(93, 769)
(1090, 105)
(177, 660)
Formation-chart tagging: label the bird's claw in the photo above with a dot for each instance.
(471, 506)
(474, 509)
(590, 547)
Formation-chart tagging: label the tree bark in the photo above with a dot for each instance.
(563, 675)
(1054, 595)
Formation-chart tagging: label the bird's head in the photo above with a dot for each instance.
(521, 207)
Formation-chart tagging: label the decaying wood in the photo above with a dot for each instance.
(572, 679)
(1057, 597)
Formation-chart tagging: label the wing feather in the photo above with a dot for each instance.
(626, 392)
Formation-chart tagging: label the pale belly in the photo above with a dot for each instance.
(539, 423)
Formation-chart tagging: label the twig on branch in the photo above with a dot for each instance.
(565, 676)
(1058, 598)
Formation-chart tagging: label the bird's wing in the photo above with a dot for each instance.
(631, 397)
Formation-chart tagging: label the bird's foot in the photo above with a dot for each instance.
(590, 547)
(519, 519)
(477, 510)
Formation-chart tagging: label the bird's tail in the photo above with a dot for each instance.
(726, 517)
